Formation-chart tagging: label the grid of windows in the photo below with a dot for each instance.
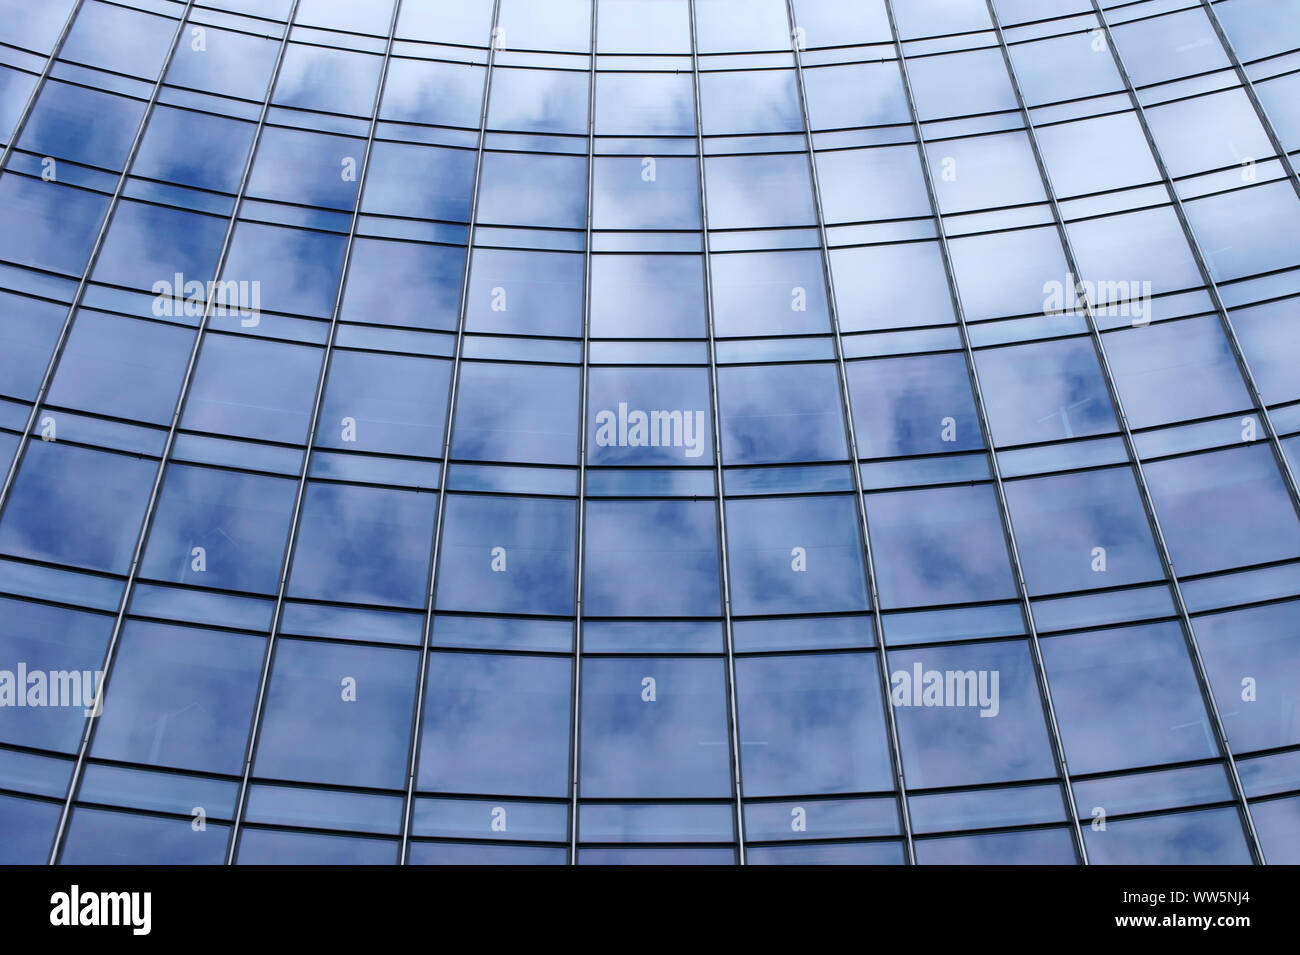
(615, 431)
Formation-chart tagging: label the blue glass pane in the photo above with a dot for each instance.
(969, 714)
(495, 723)
(76, 506)
(651, 558)
(654, 727)
(363, 544)
(1127, 698)
(793, 555)
(522, 413)
(338, 714)
(106, 837)
(507, 555)
(180, 697)
(780, 413)
(795, 711)
(939, 546)
(219, 528)
(42, 639)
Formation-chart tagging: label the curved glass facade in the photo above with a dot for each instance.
(635, 431)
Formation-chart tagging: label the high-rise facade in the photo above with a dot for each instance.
(856, 431)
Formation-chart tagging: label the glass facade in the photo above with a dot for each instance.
(649, 431)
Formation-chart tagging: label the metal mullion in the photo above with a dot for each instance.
(57, 352)
(725, 569)
(1144, 491)
(30, 105)
(1270, 432)
(891, 723)
(291, 542)
(1248, 85)
(110, 652)
(580, 553)
(1004, 511)
(453, 387)
(1288, 476)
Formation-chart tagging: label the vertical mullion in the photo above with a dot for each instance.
(1040, 669)
(737, 790)
(1248, 85)
(427, 633)
(28, 106)
(1256, 397)
(57, 352)
(110, 653)
(1288, 476)
(580, 552)
(1162, 547)
(895, 749)
(290, 544)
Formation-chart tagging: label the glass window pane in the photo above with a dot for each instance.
(427, 182)
(507, 555)
(941, 699)
(1127, 698)
(915, 405)
(861, 185)
(633, 193)
(518, 413)
(856, 94)
(533, 190)
(496, 723)
(1254, 673)
(108, 837)
(393, 404)
(1175, 371)
(1208, 837)
(643, 26)
(403, 283)
(339, 714)
(72, 505)
(1045, 391)
(514, 292)
(654, 727)
(252, 388)
(1082, 531)
(1239, 493)
(891, 286)
(753, 192)
(27, 830)
(538, 101)
(427, 91)
(750, 101)
(769, 293)
(780, 413)
(811, 724)
(639, 416)
(645, 104)
(104, 351)
(48, 638)
(363, 544)
(180, 697)
(792, 555)
(647, 296)
(939, 546)
(651, 558)
(219, 528)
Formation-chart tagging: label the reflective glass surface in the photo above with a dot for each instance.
(649, 431)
